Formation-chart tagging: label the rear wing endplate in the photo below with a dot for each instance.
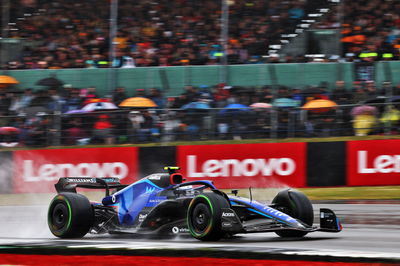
(69, 184)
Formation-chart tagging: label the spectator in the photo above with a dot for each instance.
(157, 97)
(5, 104)
(364, 123)
(102, 130)
(140, 93)
(75, 134)
(221, 95)
(390, 119)
(340, 95)
(41, 98)
(73, 102)
(119, 95)
(39, 131)
(358, 92)
(26, 98)
(148, 130)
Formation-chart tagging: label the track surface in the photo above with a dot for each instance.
(370, 231)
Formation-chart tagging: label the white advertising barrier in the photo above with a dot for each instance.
(39, 170)
(244, 165)
(373, 162)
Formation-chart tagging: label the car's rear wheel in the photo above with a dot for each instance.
(204, 216)
(297, 205)
(70, 215)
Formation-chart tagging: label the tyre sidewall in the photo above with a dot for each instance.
(79, 214)
(215, 203)
(299, 207)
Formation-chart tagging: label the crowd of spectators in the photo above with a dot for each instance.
(370, 30)
(75, 34)
(55, 117)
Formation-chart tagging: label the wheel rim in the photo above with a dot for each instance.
(201, 217)
(59, 217)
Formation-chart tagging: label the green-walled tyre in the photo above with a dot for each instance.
(70, 215)
(204, 216)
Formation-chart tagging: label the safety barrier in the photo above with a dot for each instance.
(261, 165)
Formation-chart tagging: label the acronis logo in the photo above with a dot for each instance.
(149, 190)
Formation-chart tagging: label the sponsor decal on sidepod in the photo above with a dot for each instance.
(177, 230)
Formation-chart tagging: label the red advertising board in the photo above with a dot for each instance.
(39, 170)
(373, 162)
(245, 165)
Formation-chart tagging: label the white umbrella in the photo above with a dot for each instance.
(99, 106)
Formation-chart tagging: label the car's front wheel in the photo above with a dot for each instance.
(297, 205)
(204, 216)
(70, 215)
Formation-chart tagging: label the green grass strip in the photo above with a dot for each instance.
(353, 193)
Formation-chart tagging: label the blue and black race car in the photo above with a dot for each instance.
(164, 204)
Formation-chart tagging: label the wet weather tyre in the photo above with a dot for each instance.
(297, 205)
(70, 215)
(204, 216)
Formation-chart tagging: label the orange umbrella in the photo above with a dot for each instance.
(138, 102)
(8, 80)
(319, 105)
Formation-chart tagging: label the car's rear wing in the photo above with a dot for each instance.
(69, 184)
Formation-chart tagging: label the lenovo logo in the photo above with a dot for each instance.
(234, 167)
(380, 164)
(52, 172)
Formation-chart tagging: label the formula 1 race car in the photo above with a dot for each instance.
(164, 204)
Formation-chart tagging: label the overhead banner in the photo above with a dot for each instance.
(39, 170)
(373, 162)
(245, 165)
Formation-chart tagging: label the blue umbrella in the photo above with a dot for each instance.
(196, 105)
(285, 102)
(235, 108)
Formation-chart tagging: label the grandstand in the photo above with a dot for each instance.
(75, 34)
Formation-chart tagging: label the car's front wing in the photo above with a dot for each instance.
(231, 223)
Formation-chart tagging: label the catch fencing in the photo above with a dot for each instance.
(170, 125)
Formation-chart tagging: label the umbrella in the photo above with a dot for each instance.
(50, 82)
(319, 105)
(9, 130)
(99, 106)
(8, 80)
(196, 105)
(234, 108)
(138, 102)
(285, 102)
(260, 105)
(95, 100)
(364, 109)
(79, 111)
